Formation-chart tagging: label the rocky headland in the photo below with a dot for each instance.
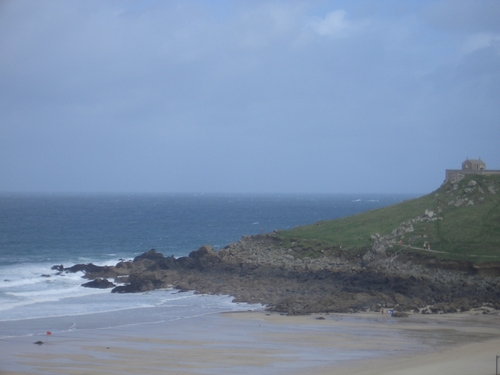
(345, 265)
(257, 270)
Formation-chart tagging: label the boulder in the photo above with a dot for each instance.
(149, 255)
(137, 287)
(124, 265)
(88, 268)
(202, 251)
(99, 284)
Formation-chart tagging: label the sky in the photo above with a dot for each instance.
(246, 96)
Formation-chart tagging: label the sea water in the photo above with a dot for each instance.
(39, 231)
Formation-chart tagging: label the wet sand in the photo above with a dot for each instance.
(256, 342)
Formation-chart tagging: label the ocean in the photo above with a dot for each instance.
(39, 231)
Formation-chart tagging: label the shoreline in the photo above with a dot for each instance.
(248, 342)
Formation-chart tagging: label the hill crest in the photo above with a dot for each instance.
(460, 220)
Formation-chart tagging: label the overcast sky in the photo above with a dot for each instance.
(246, 96)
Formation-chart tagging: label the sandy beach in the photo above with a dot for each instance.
(258, 342)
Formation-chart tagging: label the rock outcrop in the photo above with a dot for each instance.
(257, 270)
(99, 283)
(396, 269)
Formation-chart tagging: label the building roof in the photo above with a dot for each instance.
(475, 161)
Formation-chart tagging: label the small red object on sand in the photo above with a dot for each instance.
(49, 333)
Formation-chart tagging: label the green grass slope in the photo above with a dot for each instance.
(464, 224)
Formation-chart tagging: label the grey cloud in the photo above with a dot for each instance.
(247, 97)
(465, 15)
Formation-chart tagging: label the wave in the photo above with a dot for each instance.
(32, 279)
(114, 310)
(101, 301)
(25, 284)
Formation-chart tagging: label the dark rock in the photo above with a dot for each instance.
(56, 267)
(186, 263)
(138, 285)
(124, 265)
(132, 288)
(76, 268)
(99, 284)
(167, 263)
(257, 270)
(202, 252)
(149, 255)
(87, 268)
(121, 289)
(38, 342)
(92, 271)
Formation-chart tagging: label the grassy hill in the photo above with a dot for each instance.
(462, 222)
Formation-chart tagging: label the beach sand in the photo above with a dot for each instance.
(257, 342)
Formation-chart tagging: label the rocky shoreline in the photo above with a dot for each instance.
(257, 269)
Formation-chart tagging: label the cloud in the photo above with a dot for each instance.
(263, 24)
(334, 24)
(474, 23)
(472, 16)
(260, 96)
(479, 41)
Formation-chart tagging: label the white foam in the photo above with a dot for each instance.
(35, 283)
(28, 296)
(186, 304)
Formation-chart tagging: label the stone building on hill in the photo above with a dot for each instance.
(473, 165)
(469, 166)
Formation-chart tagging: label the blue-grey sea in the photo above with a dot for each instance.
(39, 231)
